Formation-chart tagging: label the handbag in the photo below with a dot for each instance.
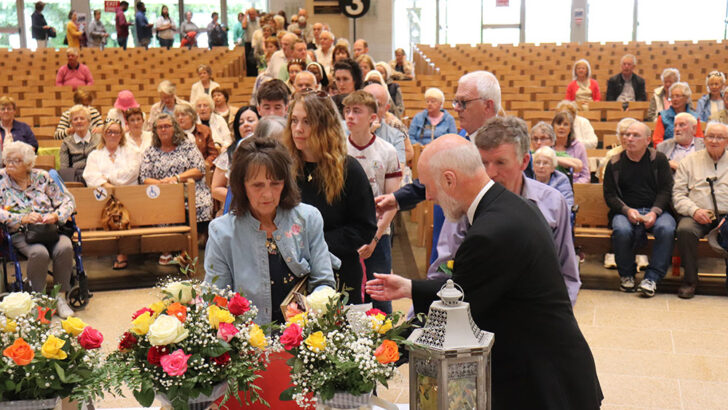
(114, 216)
(44, 234)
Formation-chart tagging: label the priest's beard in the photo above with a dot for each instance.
(450, 207)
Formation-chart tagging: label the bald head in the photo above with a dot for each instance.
(381, 95)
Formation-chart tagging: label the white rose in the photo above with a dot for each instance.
(181, 291)
(318, 300)
(165, 330)
(16, 304)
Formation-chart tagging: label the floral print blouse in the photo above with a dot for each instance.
(42, 195)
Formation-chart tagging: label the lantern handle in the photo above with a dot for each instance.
(451, 293)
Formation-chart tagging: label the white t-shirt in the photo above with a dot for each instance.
(139, 149)
(379, 160)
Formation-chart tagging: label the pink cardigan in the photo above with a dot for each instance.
(574, 87)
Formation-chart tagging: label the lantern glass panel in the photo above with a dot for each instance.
(427, 382)
(462, 385)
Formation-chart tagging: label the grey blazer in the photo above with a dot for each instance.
(667, 146)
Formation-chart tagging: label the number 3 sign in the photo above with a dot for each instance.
(354, 8)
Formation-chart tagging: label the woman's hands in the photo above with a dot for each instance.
(36, 218)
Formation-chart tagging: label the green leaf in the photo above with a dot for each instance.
(145, 397)
(287, 394)
(61, 373)
(216, 350)
(9, 385)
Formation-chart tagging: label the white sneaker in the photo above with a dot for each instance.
(62, 309)
(642, 262)
(609, 261)
(647, 288)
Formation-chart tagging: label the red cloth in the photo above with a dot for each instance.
(593, 86)
(273, 382)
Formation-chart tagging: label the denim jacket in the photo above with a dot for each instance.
(236, 255)
(421, 131)
(703, 108)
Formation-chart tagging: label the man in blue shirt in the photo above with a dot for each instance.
(143, 26)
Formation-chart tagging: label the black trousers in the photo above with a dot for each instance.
(251, 68)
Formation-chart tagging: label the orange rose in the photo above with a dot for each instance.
(20, 352)
(177, 310)
(387, 352)
(220, 301)
(42, 312)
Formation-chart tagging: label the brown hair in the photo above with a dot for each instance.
(133, 111)
(224, 91)
(361, 97)
(273, 40)
(340, 48)
(179, 136)
(84, 97)
(5, 100)
(268, 153)
(559, 118)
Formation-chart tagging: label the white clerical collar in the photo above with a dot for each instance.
(476, 201)
(86, 138)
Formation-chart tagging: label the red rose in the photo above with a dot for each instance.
(292, 336)
(238, 305)
(220, 301)
(222, 360)
(127, 341)
(155, 353)
(141, 312)
(90, 338)
(374, 312)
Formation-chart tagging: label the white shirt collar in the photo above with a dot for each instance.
(476, 201)
(86, 138)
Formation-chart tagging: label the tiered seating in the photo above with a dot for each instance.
(29, 77)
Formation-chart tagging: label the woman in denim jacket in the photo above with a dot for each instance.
(433, 121)
(270, 240)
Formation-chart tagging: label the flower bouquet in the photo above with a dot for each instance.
(42, 361)
(338, 351)
(189, 344)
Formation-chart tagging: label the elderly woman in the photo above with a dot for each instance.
(124, 101)
(31, 196)
(136, 138)
(366, 64)
(544, 170)
(583, 130)
(712, 103)
(12, 129)
(244, 123)
(433, 121)
(205, 85)
(660, 97)
(543, 135)
(332, 181)
(582, 88)
(218, 125)
(294, 67)
(80, 97)
(197, 133)
(267, 219)
(722, 115)
(167, 101)
(73, 32)
(76, 147)
(113, 163)
(402, 68)
(680, 102)
(341, 52)
(221, 98)
(173, 159)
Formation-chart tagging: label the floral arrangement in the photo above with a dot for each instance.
(194, 338)
(41, 360)
(337, 349)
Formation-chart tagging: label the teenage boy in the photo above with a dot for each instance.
(272, 98)
(379, 160)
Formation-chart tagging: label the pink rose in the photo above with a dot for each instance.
(175, 364)
(292, 336)
(141, 312)
(238, 305)
(374, 312)
(226, 331)
(90, 338)
(295, 229)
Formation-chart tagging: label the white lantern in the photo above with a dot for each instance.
(450, 365)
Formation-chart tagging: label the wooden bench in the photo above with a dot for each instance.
(146, 214)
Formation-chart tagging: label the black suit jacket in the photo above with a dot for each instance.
(615, 84)
(508, 268)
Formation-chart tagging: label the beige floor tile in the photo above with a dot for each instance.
(628, 339)
(640, 392)
(666, 320)
(699, 303)
(703, 395)
(661, 364)
(607, 299)
(701, 343)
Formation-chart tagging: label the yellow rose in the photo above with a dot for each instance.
(158, 307)
(450, 264)
(10, 326)
(181, 291)
(140, 325)
(386, 327)
(320, 298)
(16, 304)
(52, 348)
(73, 326)
(299, 319)
(316, 342)
(377, 321)
(256, 337)
(217, 315)
(165, 330)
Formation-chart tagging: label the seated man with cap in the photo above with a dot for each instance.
(700, 196)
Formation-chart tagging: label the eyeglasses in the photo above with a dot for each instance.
(13, 161)
(542, 163)
(7, 108)
(164, 126)
(541, 139)
(462, 104)
(714, 138)
(113, 132)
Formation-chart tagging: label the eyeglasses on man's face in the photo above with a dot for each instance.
(463, 104)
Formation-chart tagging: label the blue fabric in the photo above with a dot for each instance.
(394, 137)
(703, 107)
(560, 182)
(142, 26)
(420, 131)
(627, 238)
(668, 120)
(438, 219)
(236, 255)
(21, 132)
(380, 261)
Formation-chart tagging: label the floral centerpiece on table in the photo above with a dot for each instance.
(337, 349)
(194, 339)
(41, 360)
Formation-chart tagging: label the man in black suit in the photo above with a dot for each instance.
(626, 86)
(508, 267)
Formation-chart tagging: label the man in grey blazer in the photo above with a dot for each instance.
(684, 142)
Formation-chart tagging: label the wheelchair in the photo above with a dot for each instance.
(79, 294)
